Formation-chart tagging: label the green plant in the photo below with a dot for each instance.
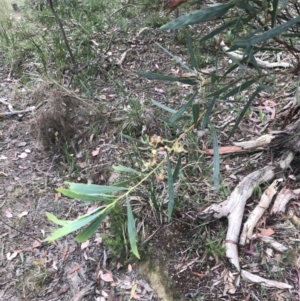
(106, 194)
(215, 247)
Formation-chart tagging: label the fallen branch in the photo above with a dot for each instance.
(282, 199)
(233, 207)
(265, 282)
(12, 112)
(258, 212)
(260, 63)
(272, 242)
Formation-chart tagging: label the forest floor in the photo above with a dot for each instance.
(181, 260)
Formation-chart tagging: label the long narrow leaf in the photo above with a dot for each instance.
(177, 169)
(184, 108)
(131, 230)
(220, 29)
(92, 227)
(157, 76)
(189, 44)
(274, 11)
(216, 157)
(246, 107)
(84, 197)
(268, 88)
(176, 58)
(126, 169)
(271, 33)
(132, 139)
(196, 113)
(239, 63)
(246, 6)
(254, 62)
(72, 226)
(164, 107)
(170, 190)
(220, 91)
(208, 113)
(239, 89)
(55, 220)
(199, 16)
(93, 189)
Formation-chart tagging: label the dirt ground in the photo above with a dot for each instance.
(29, 268)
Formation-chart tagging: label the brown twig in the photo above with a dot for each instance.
(62, 31)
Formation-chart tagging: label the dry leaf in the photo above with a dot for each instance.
(24, 213)
(159, 90)
(8, 213)
(199, 274)
(75, 269)
(133, 293)
(10, 256)
(85, 244)
(95, 152)
(223, 150)
(108, 277)
(98, 240)
(57, 196)
(173, 4)
(266, 232)
(22, 156)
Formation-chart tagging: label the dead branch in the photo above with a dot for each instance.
(260, 63)
(233, 207)
(258, 212)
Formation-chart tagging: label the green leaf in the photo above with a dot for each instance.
(208, 113)
(214, 78)
(245, 6)
(216, 157)
(176, 58)
(162, 106)
(55, 220)
(184, 108)
(234, 23)
(131, 231)
(246, 107)
(170, 190)
(217, 31)
(189, 44)
(84, 197)
(72, 226)
(93, 189)
(239, 88)
(274, 11)
(126, 169)
(254, 62)
(177, 169)
(92, 227)
(237, 64)
(196, 113)
(271, 33)
(220, 91)
(157, 76)
(199, 16)
(268, 88)
(291, 35)
(132, 139)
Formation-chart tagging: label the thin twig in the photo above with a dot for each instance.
(62, 31)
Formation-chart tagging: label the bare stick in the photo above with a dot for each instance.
(62, 31)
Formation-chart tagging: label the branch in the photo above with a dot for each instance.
(62, 31)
